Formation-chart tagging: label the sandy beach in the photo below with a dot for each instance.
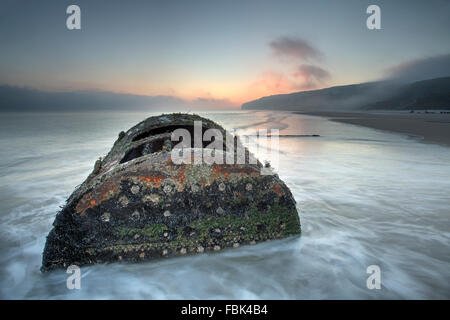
(430, 127)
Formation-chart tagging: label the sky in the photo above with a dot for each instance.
(222, 53)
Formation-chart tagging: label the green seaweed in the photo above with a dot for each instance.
(152, 231)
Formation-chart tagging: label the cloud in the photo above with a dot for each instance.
(300, 77)
(274, 82)
(211, 103)
(305, 77)
(310, 76)
(13, 98)
(421, 69)
(295, 48)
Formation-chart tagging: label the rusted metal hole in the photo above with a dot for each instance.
(143, 149)
(162, 130)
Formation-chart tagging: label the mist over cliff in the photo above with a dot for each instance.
(416, 84)
(387, 94)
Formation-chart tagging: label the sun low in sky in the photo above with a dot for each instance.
(218, 53)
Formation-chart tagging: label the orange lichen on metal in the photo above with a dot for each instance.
(154, 180)
(226, 170)
(108, 191)
(91, 199)
(180, 174)
(84, 203)
(278, 190)
(217, 171)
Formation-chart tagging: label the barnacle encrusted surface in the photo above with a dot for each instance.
(138, 205)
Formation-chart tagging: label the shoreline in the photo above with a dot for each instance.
(431, 127)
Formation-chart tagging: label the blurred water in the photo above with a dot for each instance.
(365, 197)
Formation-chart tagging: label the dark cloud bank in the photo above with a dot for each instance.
(14, 98)
(420, 69)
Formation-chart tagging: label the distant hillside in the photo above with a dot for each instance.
(27, 99)
(428, 94)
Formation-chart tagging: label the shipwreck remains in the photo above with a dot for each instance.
(138, 204)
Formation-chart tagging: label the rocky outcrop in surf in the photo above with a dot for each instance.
(138, 204)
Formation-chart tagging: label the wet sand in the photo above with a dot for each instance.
(430, 127)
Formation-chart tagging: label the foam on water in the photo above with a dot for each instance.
(365, 197)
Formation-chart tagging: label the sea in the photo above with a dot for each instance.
(374, 207)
